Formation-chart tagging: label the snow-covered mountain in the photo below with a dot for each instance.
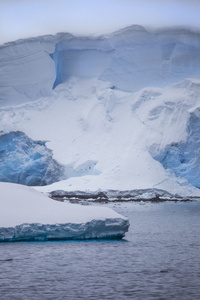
(116, 112)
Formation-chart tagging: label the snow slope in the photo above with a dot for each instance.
(119, 112)
(28, 215)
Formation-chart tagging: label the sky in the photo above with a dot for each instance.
(26, 18)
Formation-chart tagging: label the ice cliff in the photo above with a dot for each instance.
(129, 59)
(116, 112)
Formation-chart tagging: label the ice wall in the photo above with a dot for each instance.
(129, 59)
(183, 158)
(26, 71)
(25, 161)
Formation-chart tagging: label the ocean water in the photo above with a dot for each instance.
(158, 259)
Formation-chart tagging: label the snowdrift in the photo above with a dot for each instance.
(26, 215)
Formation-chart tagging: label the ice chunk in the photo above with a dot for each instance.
(28, 215)
(25, 161)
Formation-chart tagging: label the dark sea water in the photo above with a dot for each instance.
(158, 259)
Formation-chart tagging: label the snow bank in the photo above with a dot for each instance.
(28, 215)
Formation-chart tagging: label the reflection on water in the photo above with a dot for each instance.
(159, 259)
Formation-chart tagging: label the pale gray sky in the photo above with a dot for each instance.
(25, 18)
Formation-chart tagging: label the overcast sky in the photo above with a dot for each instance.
(25, 18)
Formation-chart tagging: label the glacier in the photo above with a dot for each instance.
(116, 112)
(26, 215)
(27, 162)
(183, 158)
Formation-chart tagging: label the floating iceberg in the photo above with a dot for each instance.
(27, 215)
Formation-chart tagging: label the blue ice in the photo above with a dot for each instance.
(27, 162)
(184, 158)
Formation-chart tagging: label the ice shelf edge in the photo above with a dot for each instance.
(96, 229)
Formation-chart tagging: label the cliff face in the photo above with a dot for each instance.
(130, 59)
(26, 72)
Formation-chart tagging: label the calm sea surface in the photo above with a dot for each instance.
(158, 259)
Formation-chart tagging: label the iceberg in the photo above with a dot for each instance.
(27, 215)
